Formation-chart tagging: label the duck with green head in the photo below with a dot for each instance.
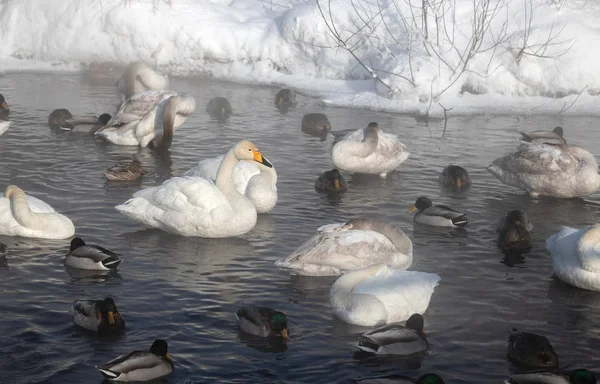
(219, 108)
(437, 215)
(577, 376)
(285, 99)
(98, 315)
(428, 378)
(331, 182)
(262, 321)
(396, 339)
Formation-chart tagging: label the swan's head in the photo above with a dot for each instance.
(430, 378)
(12, 190)
(422, 203)
(104, 118)
(3, 104)
(558, 130)
(416, 323)
(456, 176)
(333, 181)
(245, 150)
(58, 117)
(76, 243)
(278, 325)
(371, 133)
(160, 348)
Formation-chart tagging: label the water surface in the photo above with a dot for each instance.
(186, 290)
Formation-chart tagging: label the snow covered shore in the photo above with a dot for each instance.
(504, 56)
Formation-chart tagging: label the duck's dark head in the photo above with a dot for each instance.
(430, 378)
(456, 176)
(110, 311)
(58, 117)
(334, 181)
(3, 104)
(422, 203)
(558, 130)
(416, 323)
(76, 243)
(160, 348)
(582, 376)
(104, 118)
(285, 98)
(278, 325)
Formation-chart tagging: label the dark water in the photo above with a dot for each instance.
(186, 290)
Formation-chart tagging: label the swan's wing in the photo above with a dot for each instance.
(138, 106)
(39, 206)
(4, 126)
(206, 168)
(403, 293)
(242, 173)
(356, 136)
(389, 143)
(538, 159)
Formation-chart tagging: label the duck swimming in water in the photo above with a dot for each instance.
(455, 177)
(262, 321)
(219, 108)
(437, 215)
(554, 137)
(531, 350)
(331, 182)
(98, 315)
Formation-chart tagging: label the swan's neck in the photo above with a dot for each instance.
(367, 146)
(588, 249)
(224, 179)
(347, 282)
(169, 114)
(23, 214)
(398, 238)
(269, 173)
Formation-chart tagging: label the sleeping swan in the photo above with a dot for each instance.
(193, 206)
(356, 244)
(139, 78)
(369, 151)
(576, 256)
(26, 216)
(549, 170)
(252, 179)
(148, 119)
(380, 295)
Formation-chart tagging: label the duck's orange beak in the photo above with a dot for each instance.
(336, 183)
(284, 334)
(111, 318)
(458, 183)
(168, 357)
(414, 208)
(4, 106)
(222, 111)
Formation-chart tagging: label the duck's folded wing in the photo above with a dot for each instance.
(392, 333)
(537, 159)
(442, 211)
(86, 308)
(82, 120)
(131, 361)
(250, 313)
(88, 252)
(537, 378)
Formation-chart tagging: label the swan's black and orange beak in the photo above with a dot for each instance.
(4, 106)
(414, 208)
(259, 158)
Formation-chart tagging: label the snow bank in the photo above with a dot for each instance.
(290, 43)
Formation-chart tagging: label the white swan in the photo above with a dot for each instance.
(193, 206)
(356, 244)
(380, 295)
(26, 216)
(576, 256)
(4, 126)
(148, 119)
(254, 180)
(139, 78)
(549, 170)
(369, 151)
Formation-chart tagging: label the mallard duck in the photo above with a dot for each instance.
(396, 339)
(356, 244)
(58, 117)
(254, 180)
(92, 257)
(437, 215)
(202, 208)
(331, 182)
(27, 216)
(514, 231)
(3, 108)
(369, 151)
(125, 171)
(576, 257)
(531, 350)
(98, 315)
(285, 98)
(563, 171)
(379, 295)
(140, 365)
(456, 177)
(554, 137)
(219, 108)
(262, 321)
(428, 378)
(139, 78)
(577, 376)
(316, 124)
(148, 119)
(86, 124)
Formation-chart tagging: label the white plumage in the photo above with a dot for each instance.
(253, 180)
(380, 295)
(4, 125)
(576, 256)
